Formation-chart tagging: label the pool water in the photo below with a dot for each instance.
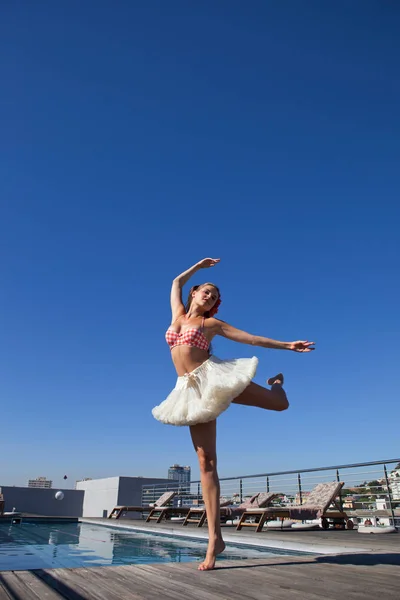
(58, 545)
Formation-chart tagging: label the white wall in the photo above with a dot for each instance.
(100, 495)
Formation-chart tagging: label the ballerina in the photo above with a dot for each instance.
(207, 385)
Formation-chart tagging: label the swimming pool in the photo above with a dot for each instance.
(61, 545)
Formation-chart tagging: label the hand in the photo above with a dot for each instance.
(208, 262)
(301, 346)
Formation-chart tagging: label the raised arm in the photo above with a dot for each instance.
(237, 335)
(177, 306)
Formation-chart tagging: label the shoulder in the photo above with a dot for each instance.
(213, 324)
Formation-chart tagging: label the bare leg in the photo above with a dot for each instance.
(204, 437)
(256, 395)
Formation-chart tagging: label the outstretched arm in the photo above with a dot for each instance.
(237, 335)
(177, 306)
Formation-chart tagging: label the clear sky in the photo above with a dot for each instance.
(140, 137)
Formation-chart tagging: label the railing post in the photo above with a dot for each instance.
(299, 484)
(267, 483)
(390, 495)
(198, 492)
(241, 490)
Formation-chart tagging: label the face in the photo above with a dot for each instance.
(206, 297)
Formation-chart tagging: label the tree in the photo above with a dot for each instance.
(375, 488)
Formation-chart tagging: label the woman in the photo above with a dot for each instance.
(207, 385)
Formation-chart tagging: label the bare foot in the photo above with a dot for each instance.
(212, 552)
(277, 379)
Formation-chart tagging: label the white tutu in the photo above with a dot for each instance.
(203, 394)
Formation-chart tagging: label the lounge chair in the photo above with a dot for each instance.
(159, 512)
(317, 505)
(197, 514)
(161, 502)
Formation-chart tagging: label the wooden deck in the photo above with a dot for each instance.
(363, 567)
(344, 577)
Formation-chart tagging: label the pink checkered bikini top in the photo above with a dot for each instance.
(191, 337)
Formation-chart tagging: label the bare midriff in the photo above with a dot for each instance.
(187, 358)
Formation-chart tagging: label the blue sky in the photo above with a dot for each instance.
(138, 138)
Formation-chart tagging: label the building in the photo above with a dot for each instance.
(92, 498)
(42, 502)
(180, 474)
(40, 482)
(349, 502)
(102, 495)
(394, 482)
(84, 479)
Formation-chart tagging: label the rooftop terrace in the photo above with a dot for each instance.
(347, 565)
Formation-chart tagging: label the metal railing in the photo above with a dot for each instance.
(371, 488)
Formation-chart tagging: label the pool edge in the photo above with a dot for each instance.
(232, 538)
